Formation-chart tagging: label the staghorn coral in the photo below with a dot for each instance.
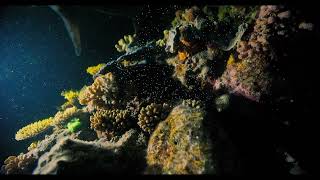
(179, 144)
(123, 44)
(62, 116)
(92, 70)
(101, 93)
(18, 164)
(34, 129)
(110, 123)
(151, 115)
(33, 145)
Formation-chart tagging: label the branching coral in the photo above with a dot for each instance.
(102, 92)
(70, 95)
(34, 129)
(192, 103)
(124, 43)
(33, 145)
(110, 122)
(92, 70)
(61, 116)
(151, 115)
(18, 164)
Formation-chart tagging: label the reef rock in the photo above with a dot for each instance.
(180, 145)
(71, 155)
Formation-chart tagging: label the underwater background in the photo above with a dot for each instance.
(38, 61)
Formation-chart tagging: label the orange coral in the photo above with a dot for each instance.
(182, 56)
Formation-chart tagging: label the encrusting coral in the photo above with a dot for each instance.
(18, 164)
(110, 123)
(101, 93)
(151, 115)
(179, 144)
(34, 129)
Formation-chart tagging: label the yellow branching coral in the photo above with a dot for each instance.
(62, 116)
(151, 115)
(102, 92)
(34, 129)
(124, 43)
(70, 95)
(113, 122)
(33, 145)
(95, 69)
(18, 164)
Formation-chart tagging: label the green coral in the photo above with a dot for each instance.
(74, 125)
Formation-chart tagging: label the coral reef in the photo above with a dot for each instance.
(20, 164)
(102, 92)
(34, 129)
(179, 144)
(70, 155)
(210, 59)
(248, 74)
(110, 123)
(151, 115)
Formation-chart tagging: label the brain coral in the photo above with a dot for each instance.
(34, 129)
(102, 92)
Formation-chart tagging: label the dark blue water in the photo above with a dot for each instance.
(37, 62)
